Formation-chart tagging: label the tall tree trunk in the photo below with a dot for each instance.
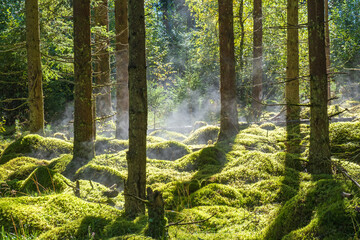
(102, 61)
(242, 34)
(319, 152)
(327, 48)
(257, 61)
(136, 156)
(83, 115)
(36, 102)
(228, 113)
(122, 60)
(292, 79)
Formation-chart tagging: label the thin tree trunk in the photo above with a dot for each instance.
(257, 61)
(36, 102)
(292, 79)
(83, 115)
(327, 47)
(122, 60)
(102, 61)
(136, 156)
(242, 34)
(228, 113)
(319, 152)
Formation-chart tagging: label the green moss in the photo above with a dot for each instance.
(43, 179)
(169, 150)
(203, 135)
(168, 135)
(36, 146)
(59, 216)
(217, 194)
(107, 176)
(197, 160)
(154, 139)
(268, 126)
(317, 211)
(59, 164)
(20, 168)
(108, 145)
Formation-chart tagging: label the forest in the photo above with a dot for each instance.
(179, 119)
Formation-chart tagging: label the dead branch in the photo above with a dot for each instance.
(137, 198)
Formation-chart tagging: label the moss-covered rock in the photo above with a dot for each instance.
(168, 135)
(318, 211)
(169, 150)
(203, 135)
(20, 168)
(217, 194)
(345, 140)
(105, 175)
(108, 145)
(199, 159)
(268, 126)
(43, 180)
(58, 216)
(35, 146)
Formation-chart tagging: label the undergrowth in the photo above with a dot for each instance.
(245, 188)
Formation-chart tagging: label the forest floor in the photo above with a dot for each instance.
(241, 189)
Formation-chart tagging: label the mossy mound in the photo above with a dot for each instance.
(108, 145)
(268, 126)
(43, 180)
(199, 159)
(63, 216)
(256, 138)
(37, 147)
(168, 135)
(199, 124)
(169, 150)
(203, 135)
(105, 175)
(154, 139)
(20, 168)
(318, 211)
(345, 140)
(217, 194)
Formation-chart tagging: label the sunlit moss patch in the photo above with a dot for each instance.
(36, 146)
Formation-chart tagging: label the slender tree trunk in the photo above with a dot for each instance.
(242, 34)
(257, 61)
(136, 156)
(292, 79)
(36, 102)
(319, 152)
(228, 113)
(83, 115)
(102, 61)
(327, 47)
(122, 60)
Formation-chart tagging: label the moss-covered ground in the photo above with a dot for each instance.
(245, 188)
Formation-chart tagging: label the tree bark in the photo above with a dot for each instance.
(228, 113)
(122, 60)
(257, 61)
(36, 102)
(292, 79)
(327, 48)
(83, 115)
(102, 61)
(136, 156)
(319, 152)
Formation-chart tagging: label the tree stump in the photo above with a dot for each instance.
(156, 211)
